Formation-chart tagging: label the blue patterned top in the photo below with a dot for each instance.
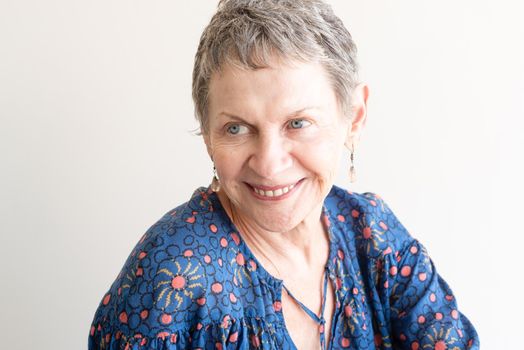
(191, 282)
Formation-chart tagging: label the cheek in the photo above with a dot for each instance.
(229, 163)
(326, 149)
(322, 159)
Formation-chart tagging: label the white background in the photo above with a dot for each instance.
(96, 145)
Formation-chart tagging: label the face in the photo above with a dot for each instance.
(276, 136)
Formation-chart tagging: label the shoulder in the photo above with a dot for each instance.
(169, 276)
(369, 221)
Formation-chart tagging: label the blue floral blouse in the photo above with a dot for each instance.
(191, 282)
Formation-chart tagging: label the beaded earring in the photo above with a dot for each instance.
(352, 175)
(215, 183)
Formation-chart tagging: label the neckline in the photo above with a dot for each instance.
(325, 217)
(276, 283)
(319, 319)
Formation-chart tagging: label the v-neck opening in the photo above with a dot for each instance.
(276, 283)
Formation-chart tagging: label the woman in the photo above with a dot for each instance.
(272, 255)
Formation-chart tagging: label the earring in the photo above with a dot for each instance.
(215, 184)
(352, 176)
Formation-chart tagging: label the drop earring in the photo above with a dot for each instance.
(215, 183)
(352, 176)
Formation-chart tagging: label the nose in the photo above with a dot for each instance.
(271, 156)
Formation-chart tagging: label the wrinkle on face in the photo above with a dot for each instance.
(269, 152)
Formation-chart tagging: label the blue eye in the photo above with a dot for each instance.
(299, 123)
(235, 129)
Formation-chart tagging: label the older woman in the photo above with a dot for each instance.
(272, 255)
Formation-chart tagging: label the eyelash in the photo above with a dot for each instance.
(239, 125)
(301, 120)
(229, 126)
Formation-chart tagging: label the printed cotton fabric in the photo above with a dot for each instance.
(191, 282)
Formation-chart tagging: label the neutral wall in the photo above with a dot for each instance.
(96, 144)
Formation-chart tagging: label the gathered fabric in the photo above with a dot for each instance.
(192, 282)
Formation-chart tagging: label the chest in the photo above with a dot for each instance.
(354, 318)
(306, 332)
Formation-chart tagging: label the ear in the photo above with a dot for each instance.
(359, 103)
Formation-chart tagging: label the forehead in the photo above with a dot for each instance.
(278, 88)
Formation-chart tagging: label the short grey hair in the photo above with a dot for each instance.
(249, 33)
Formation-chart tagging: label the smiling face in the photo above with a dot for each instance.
(276, 136)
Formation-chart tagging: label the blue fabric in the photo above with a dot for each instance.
(192, 283)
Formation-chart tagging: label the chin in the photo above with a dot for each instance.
(277, 222)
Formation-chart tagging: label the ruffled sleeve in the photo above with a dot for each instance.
(415, 308)
(424, 312)
(186, 285)
(230, 335)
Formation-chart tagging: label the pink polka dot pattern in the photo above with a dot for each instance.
(192, 282)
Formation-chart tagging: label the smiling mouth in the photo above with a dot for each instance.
(274, 192)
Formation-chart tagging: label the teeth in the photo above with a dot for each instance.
(275, 193)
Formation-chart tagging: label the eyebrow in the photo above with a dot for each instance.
(290, 115)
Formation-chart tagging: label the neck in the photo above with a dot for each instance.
(306, 245)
